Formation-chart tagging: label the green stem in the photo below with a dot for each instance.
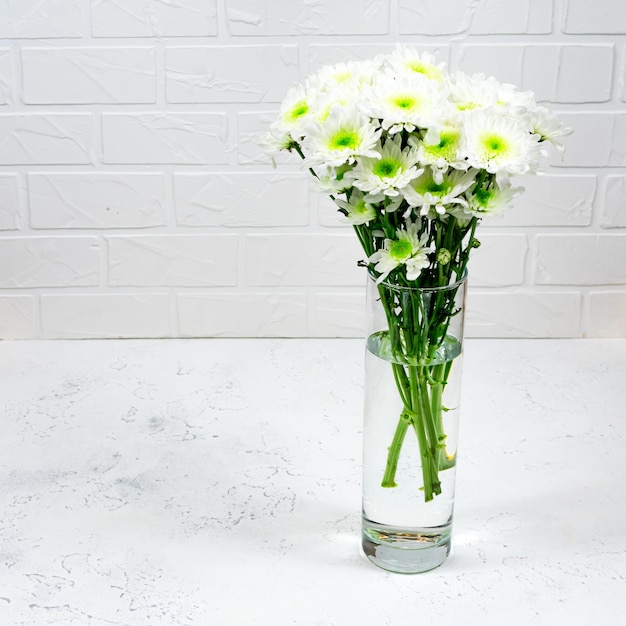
(393, 452)
(424, 429)
(440, 375)
(389, 478)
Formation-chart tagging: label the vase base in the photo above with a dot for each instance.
(405, 551)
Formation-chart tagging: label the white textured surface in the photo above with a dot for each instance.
(49, 262)
(466, 16)
(128, 123)
(186, 261)
(322, 17)
(55, 138)
(602, 16)
(600, 139)
(186, 138)
(218, 482)
(614, 215)
(238, 74)
(561, 259)
(153, 18)
(556, 73)
(9, 202)
(241, 199)
(6, 73)
(34, 19)
(104, 200)
(88, 75)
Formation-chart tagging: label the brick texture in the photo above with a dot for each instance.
(135, 200)
(153, 18)
(433, 17)
(323, 17)
(88, 75)
(98, 201)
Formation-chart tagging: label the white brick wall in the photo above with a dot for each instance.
(554, 72)
(135, 202)
(153, 18)
(237, 73)
(88, 75)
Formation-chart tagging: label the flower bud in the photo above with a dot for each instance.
(443, 256)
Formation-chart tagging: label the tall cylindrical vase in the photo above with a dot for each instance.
(413, 372)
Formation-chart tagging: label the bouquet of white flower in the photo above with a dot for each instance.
(414, 157)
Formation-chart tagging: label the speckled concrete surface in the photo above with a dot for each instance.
(207, 482)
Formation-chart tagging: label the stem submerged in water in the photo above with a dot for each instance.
(421, 361)
(420, 388)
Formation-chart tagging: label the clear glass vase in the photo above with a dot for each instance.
(413, 371)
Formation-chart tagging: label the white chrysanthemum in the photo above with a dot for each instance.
(325, 102)
(477, 91)
(440, 149)
(489, 202)
(518, 102)
(345, 135)
(427, 193)
(274, 141)
(331, 179)
(547, 126)
(391, 172)
(295, 111)
(406, 102)
(350, 76)
(499, 144)
(408, 60)
(357, 210)
(409, 249)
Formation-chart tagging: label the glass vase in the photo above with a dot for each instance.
(413, 369)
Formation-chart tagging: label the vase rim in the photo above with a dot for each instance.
(396, 287)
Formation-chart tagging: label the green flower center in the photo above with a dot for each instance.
(466, 106)
(342, 77)
(494, 146)
(360, 207)
(429, 186)
(430, 71)
(344, 138)
(298, 110)
(483, 196)
(404, 102)
(447, 146)
(386, 168)
(435, 188)
(400, 250)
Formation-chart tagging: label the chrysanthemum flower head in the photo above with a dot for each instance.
(393, 170)
(408, 60)
(515, 100)
(499, 144)
(331, 179)
(471, 92)
(295, 111)
(350, 75)
(343, 136)
(274, 141)
(547, 127)
(357, 210)
(405, 103)
(488, 201)
(408, 249)
(429, 193)
(327, 101)
(440, 148)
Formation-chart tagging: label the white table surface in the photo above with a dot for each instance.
(217, 482)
